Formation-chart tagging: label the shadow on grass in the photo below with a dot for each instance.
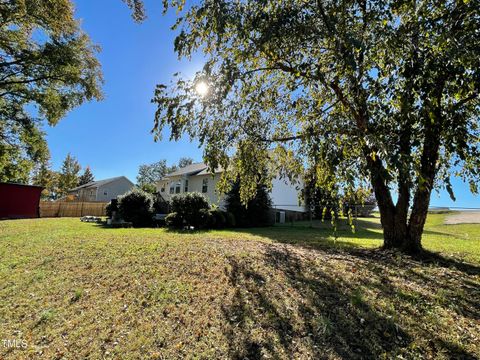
(318, 314)
(330, 317)
(321, 237)
(299, 301)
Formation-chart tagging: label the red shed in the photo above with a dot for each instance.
(19, 201)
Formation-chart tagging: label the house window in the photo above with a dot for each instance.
(162, 189)
(205, 185)
(186, 186)
(105, 193)
(175, 188)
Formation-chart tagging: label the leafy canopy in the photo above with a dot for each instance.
(44, 176)
(149, 174)
(348, 79)
(385, 91)
(47, 67)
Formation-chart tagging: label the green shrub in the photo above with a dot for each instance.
(160, 205)
(230, 219)
(173, 220)
(111, 208)
(205, 220)
(192, 208)
(219, 219)
(257, 211)
(136, 207)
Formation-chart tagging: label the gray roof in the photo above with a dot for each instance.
(206, 171)
(192, 169)
(95, 184)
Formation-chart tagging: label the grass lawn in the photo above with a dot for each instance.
(78, 290)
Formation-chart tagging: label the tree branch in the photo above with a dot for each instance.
(462, 102)
(259, 69)
(28, 81)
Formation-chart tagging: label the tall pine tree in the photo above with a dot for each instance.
(86, 177)
(68, 177)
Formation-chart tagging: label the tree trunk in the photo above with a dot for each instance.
(421, 201)
(399, 232)
(413, 242)
(394, 226)
(404, 185)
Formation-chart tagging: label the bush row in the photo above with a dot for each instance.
(185, 210)
(137, 207)
(191, 210)
(205, 219)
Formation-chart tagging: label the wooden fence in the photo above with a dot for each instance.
(72, 209)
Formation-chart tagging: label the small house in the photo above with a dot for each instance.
(102, 190)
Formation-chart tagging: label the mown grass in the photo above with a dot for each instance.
(77, 290)
(460, 241)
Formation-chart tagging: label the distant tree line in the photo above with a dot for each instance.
(149, 174)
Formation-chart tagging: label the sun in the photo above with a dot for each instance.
(202, 88)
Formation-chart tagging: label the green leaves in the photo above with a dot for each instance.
(45, 61)
(138, 10)
(68, 178)
(383, 90)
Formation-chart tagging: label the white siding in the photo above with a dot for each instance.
(166, 184)
(195, 184)
(212, 194)
(88, 194)
(286, 196)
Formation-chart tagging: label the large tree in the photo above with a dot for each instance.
(256, 212)
(381, 90)
(184, 161)
(47, 67)
(68, 176)
(149, 174)
(44, 176)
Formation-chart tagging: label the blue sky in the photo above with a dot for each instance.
(113, 136)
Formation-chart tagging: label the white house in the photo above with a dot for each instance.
(196, 177)
(285, 195)
(102, 190)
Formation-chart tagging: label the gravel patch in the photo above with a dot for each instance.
(464, 217)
